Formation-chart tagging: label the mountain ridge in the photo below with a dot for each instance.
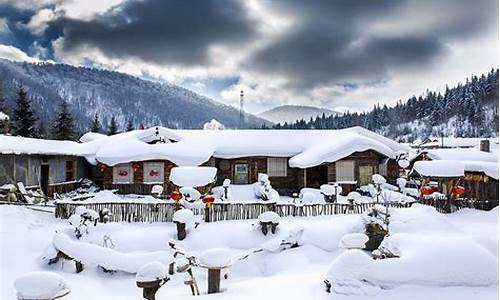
(291, 113)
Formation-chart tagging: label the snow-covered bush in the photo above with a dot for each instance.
(355, 197)
(401, 184)
(41, 285)
(157, 190)
(190, 194)
(268, 219)
(263, 189)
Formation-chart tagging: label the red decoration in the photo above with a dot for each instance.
(123, 173)
(426, 190)
(458, 190)
(102, 167)
(176, 196)
(208, 200)
(136, 166)
(154, 173)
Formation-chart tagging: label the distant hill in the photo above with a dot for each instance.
(468, 109)
(108, 93)
(292, 113)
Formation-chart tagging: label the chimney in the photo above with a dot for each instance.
(484, 146)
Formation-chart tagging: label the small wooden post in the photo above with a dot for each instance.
(207, 213)
(181, 230)
(213, 280)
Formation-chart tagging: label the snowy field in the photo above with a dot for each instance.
(451, 256)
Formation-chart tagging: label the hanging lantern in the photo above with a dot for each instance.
(102, 167)
(426, 190)
(176, 196)
(208, 200)
(458, 191)
(136, 166)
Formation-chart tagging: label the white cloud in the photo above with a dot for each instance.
(13, 53)
(4, 28)
(39, 22)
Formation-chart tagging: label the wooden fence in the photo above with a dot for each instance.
(163, 212)
(448, 205)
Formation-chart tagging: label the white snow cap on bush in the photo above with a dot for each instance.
(183, 216)
(354, 196)
(378, 179)
(215, 258)
(92, 213)
(226, 182)
(151, 272)
(75, 220)
(157, 189)
(80, 210)
(193, 193)
(269, 216)
(262, 177)
(308, 197)
(353, 241)
(41, 285)
(327, 189)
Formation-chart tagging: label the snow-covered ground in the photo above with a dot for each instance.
(296, 273)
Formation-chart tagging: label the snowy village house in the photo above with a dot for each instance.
(133, 162)
(474, 169)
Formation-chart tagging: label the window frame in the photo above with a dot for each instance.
(340, 165)
(281, 171)
(147, 167)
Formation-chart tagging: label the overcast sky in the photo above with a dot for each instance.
(336, 54)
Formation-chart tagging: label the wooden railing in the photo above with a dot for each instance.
(163, 212)
(448, 205)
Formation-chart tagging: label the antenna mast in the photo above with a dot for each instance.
(242, 111)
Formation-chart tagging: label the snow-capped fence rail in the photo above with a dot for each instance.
(163, 212)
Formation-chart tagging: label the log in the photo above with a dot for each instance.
(181, 230)
(213, 281)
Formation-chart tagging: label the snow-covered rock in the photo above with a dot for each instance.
(353, 241)
(183, 216)
(40, 285)
(215, 258)
(152, 271)
(269, 216)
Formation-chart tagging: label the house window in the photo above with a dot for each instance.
(153, 172)
(240, 173)
(70, 170)
(123, 173)
(365, 174)
(382, 167)
(344, 170)
(276, 166)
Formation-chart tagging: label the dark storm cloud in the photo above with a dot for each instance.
(161, 31)
(332, 46)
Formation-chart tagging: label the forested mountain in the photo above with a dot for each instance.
(466, 110)
(292, 113)
(91, 91)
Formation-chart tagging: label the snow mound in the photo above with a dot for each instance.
(426, 259)
(192, 176)
(75, 220)
(90, 254)
(151, 272)
(269, 216)
(40, 285)
(308, 197)
(327, 189)
(353, 241)
(215, 258)
(183, 216)
(191, 193)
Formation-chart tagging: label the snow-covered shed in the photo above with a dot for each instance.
(455, 142)
(291, 158)
(52, 165)
(475, 170)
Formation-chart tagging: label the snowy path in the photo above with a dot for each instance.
(293, 274)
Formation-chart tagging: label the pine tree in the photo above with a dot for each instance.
(41, 131)
(3, 101)
(23, 120)
(64, 125)
(130, 126)
(112, 128)
(95, 126)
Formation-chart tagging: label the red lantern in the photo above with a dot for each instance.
(136, 166)
(102, 167)
(176, 196)
(208, 200)
(426, 190)
(458, 190)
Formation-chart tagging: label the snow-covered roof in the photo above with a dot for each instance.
(306, 148)
(462, 154)
(454, 168)
(454, 142)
